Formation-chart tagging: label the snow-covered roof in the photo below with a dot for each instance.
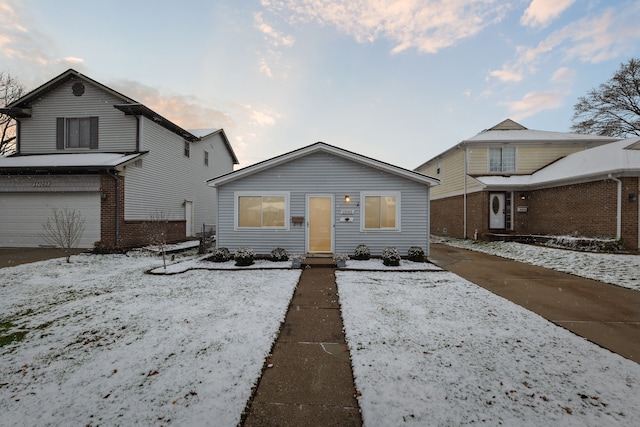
(528, 135)
(616, 159)
(74, 161)
(201, 133)
(510, 132)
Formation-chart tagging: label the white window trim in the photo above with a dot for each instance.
(364, 194)
(515, 159)
(238, 194)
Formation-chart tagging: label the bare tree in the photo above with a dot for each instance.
(612, 109)
(64, 229)
(10, 90)
(156, 229)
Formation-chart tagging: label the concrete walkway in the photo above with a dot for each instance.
(311, 381)
(607, 315)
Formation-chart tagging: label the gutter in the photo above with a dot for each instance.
(618, 208)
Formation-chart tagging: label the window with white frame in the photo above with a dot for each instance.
(502, 159)
(206, 158)
(266, 210)
(187, 149)
(380, 211)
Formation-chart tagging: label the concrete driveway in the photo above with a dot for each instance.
(607, 315)
(15, 256)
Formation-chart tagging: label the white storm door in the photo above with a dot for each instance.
(319, 224)
(188, 217)
(497, 214)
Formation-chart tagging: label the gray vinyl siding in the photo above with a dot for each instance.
(323, 173)
(116, 132)
(167, 178)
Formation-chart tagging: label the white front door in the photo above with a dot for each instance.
(497, 212)
(319, 224)
(188, 217)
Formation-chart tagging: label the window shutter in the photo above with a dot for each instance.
(60, 133)
(93, 144)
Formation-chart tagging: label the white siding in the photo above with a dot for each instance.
(323, 173)
(116, 132)
(167, 177)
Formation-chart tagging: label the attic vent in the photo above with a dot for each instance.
(77, 89)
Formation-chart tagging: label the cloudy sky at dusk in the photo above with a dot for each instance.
(400, 81)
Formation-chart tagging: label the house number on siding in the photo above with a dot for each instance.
(42, 184)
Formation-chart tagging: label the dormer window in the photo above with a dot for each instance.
(76, 132)
(502, 159)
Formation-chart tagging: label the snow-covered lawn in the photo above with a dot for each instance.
(430, 348)
(110, 345)
(106, 344)
(621, 270)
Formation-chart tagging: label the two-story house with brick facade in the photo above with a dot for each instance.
(83, 146)
(510, 180)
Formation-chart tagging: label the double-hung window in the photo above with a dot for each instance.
(76, 132)
(267, 210)
(380, 211)
(502, 159)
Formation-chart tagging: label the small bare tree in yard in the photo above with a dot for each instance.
(10, 90)
(156, 229)
(64, 229)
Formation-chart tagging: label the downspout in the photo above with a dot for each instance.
(618, 208)
(464, 195)
(117, 181)
(137, 133)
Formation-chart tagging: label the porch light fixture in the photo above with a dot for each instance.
(347, 198)
(632, 197)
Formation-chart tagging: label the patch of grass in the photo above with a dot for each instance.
(8, 338)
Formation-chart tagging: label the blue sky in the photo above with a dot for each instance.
(400, 81)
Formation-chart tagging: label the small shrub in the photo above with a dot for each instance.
(391, 257)
(221, 255)
(279, 254)
(362, 253)
(244, 256)
(416, 254)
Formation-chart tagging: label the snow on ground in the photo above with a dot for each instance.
(617, 269)
(107, 344)
(433, 349)
(110, 345)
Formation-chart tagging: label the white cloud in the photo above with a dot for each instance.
(73, 60)
(563, 75)
(274, 37)
(541, 12)
(591, 39)
(428, 25)
(534, 102)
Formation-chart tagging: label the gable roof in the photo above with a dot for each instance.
(321, 147)
(617, 159)
(21, 107)
(510, 132)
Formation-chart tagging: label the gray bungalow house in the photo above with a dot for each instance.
(321, 200)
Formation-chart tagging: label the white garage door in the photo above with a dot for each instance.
(22, 216)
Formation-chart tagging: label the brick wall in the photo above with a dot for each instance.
(131, 233)
(586, 209)
(447, 215)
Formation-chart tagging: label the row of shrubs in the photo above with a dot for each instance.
(245, 256)
(390, 255)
